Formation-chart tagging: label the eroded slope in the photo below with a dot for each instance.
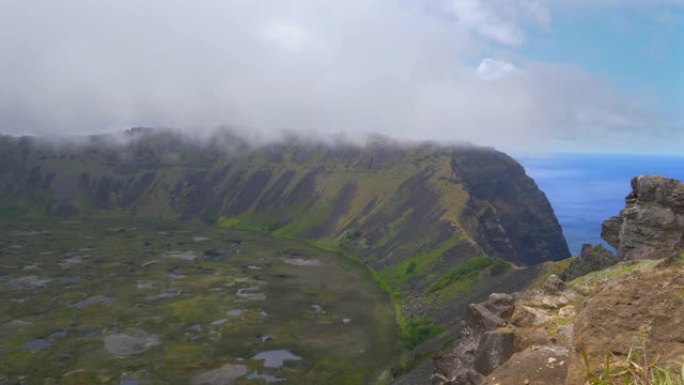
(412, 212)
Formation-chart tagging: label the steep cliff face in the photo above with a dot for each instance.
(507, 213)
(418, 214)
(597, 322)
(651, 226)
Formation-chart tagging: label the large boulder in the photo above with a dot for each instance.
(483, 345)
(495, 348)
(544, 365)
(651, 226)
(592, 258)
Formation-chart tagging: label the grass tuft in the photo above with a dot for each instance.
(633, 370)
(616, 271)
(499, 266)
(418, 330)
(466, 271)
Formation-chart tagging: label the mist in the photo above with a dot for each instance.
(429, 70)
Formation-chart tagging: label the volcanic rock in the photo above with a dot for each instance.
(651, 226)
(592, 258)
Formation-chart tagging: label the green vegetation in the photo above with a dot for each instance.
(227, 223)
(396, 208)
(342, 369)
(352, 242)
(632, 370)
(418, 330)
(680, 260)
(549, 268)
(465, 273)
(33, 205)
(391, 230)
(397, 276)
(499, 266)
(73, 282)
(410, 268)
(618, 270)
(238, 223)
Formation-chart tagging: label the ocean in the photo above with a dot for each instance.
(584, 190)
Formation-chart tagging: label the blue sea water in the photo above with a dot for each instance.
(584, 190)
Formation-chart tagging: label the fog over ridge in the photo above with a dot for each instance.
(435, 69)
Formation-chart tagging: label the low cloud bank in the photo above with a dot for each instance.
(436, 70)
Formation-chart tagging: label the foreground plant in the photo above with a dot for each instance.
(632, 370)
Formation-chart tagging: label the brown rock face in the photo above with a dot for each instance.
(592, 258)
(638, 307)
(495, 348)
(651, 226)
(483, 347)
(642, 311)
(545, 365)
(506, 329)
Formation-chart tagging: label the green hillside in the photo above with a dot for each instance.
(411, 212)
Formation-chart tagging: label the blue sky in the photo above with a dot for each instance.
(521, 75)
(639, 48)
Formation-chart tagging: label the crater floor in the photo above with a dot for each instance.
(123, 301)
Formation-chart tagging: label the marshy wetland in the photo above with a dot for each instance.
(117, 301)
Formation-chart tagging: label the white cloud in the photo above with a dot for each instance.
(290, 36)
(357, 66)
(490, 69)
(498, 20)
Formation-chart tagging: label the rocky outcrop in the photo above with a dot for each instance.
(591, 258)
(651, 226)
(556, 334)
(544, 365)
(483, 345)
(507, 329)
(597, 316)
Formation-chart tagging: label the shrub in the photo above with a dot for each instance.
(418, 330)
(467, 270)
(410, 268)
(499, 266)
